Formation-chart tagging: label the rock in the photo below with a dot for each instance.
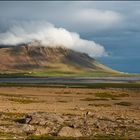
(55, 130)
(96, 124)
(28, 118)
(28, 129)
(137, 122)
(42, 130)
(55, 118)
(11, 128)
(82, 109)
(25, 120)
(69, 132)
(42, 122)
(44, 118)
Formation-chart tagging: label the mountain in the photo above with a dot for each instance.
(34, 57)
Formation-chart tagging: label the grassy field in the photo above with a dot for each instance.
(52, 72)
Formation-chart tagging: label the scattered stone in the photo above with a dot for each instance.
(42, 131)
(71, 125)
(69, 132)
(28, 129)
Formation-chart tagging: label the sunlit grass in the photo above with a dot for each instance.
(110, 96)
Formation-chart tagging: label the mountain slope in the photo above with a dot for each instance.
(34, 57)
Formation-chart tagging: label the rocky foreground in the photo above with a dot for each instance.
(62, 113)
(68, 125)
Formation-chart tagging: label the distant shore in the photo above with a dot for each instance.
(92, 82)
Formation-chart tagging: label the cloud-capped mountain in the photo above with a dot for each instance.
(34, 57)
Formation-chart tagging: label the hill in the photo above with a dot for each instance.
(34, 58)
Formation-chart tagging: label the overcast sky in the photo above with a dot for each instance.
(76, 16)
(114, 25)
(87, 18)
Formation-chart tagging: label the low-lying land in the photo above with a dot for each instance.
(54, 72)
(69, 113)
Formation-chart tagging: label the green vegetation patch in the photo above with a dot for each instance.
(62, 101)
(104, 96)
(98, 137)
(10, 95)
(110, 137)
(6, 135)
(10, 116)
(67, 92)
(14, 75)
(24, 101)
(124, 103)
(110, 96)
(46, 137)
(100, 105)
(94, 99)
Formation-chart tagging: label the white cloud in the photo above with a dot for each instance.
(49, 35)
